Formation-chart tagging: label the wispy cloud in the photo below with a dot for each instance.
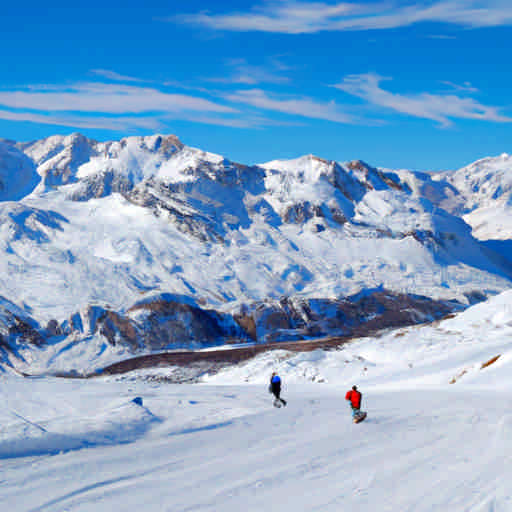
(120, 107)
(176, 84)
(117, 107)
(441, 108)
(102, 123)
(107, 98)
(116, 77)
(442, 37)
(299, 106)
(296, 17)
(243, 73)
(465, 87)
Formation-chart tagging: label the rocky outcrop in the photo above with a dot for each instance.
(53, 328)
(168, 321)
(300, 213)
(101, 184)
(17, 329)
(164, 322)
(369, 311)
(375, 179)
(22, 330)
(119, 330)
(116, 328)
(163, 202)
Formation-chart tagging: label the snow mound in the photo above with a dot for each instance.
(118, 424)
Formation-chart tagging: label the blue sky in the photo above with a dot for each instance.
(415, 84)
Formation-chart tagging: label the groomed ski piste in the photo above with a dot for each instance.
(438, 435)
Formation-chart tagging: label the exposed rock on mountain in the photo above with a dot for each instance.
(17, 331)
(177, 322)
(297, 319)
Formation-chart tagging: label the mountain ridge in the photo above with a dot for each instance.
(110, 222)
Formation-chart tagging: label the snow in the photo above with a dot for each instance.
(487, 188)
(136, 157)
(18, 175)
(437, 436)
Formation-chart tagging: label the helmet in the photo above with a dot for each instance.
(354, 388)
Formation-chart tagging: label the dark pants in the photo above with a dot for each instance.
(276, 390)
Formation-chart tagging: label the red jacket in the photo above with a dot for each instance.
(355, 398)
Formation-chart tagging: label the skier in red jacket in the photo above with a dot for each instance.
(354, 397)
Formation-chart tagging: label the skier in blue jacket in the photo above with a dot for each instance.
(275, 387)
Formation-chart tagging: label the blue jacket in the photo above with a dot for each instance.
(276, 379)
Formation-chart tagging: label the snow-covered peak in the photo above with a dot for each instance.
(485, 180)
(306, 167)
(64, 160)
(43, 150)
(59, 157)
(164, 158)
(157, 142)
(310, 180)
(486, 189)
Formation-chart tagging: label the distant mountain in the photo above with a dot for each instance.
(98, 226)
(480, 193)
(486, 187)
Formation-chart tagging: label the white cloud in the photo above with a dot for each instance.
(296, 17)
(131, 123)
(441, 36)
(301, 106)
(440, 108)
(107, 98)
(244, 73)
(103, 123)
(465, 87)
(181, 85)
(116, 107)
(112, 75)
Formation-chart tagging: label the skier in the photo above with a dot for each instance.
(275, 389)
(354, 397)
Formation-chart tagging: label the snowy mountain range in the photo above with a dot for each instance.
(112, 248)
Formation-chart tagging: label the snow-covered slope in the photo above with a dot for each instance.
(437, 436)
(488, 186)
(484, 196)
(18, 176)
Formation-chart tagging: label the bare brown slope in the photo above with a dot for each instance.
(222, 357)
